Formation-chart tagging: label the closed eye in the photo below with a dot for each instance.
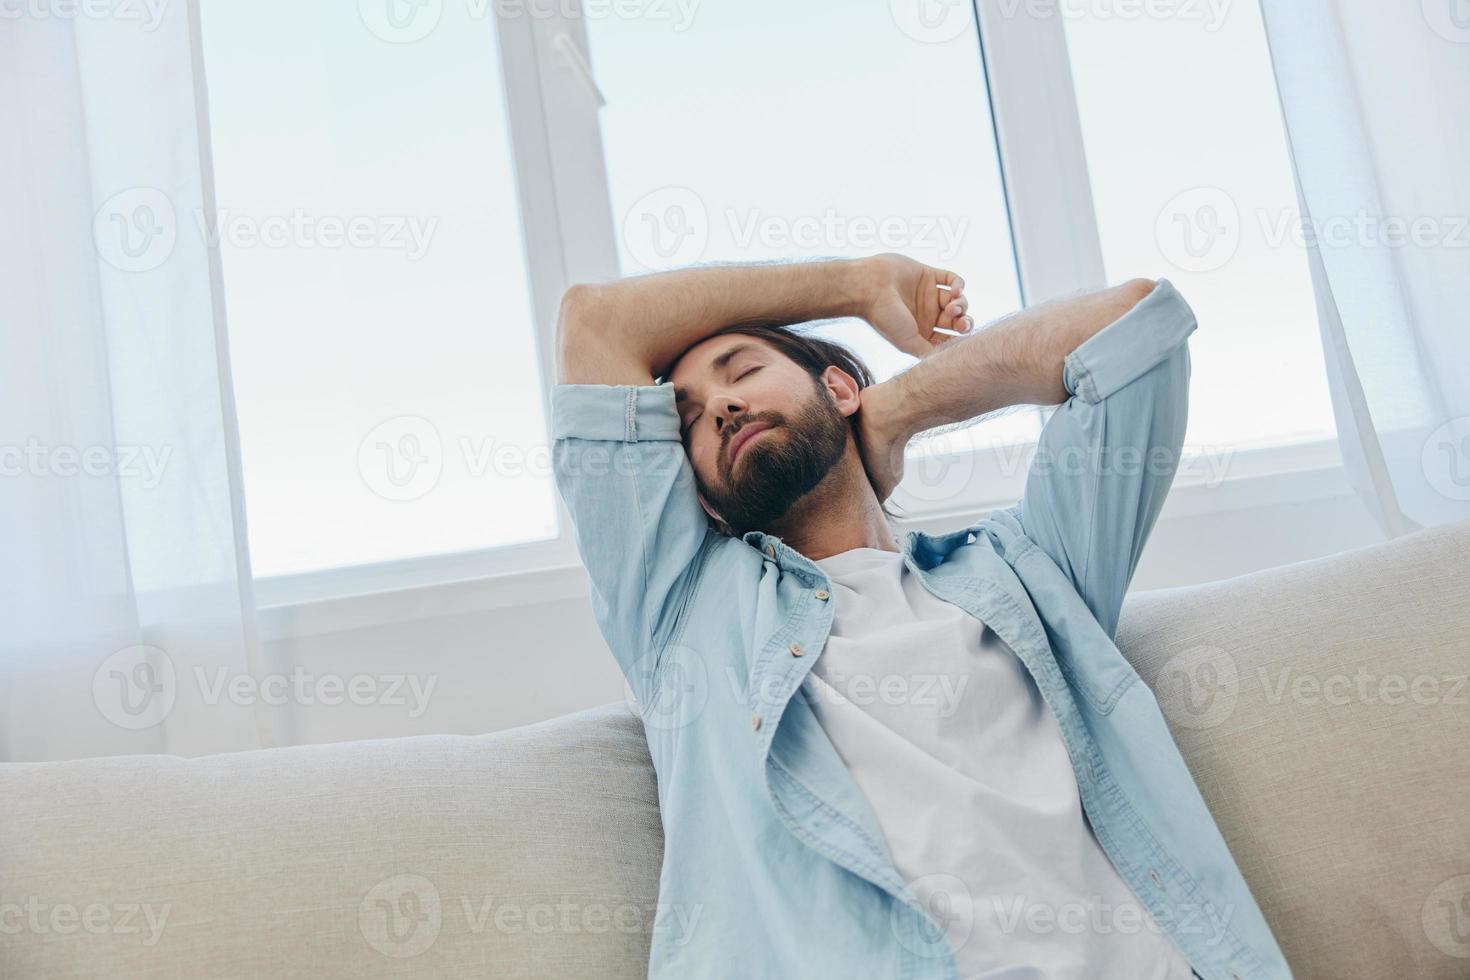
(690, 425)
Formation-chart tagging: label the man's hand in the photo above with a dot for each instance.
(1018, 360)
(882, 437)
(905, 300)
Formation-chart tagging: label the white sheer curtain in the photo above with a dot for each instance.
(1376, 98)
(126, 619)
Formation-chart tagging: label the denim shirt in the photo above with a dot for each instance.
(774, 864)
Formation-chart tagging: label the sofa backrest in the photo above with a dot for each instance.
(529, 853)
(1324, 711)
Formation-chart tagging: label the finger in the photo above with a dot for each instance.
(947, 313)
(963, 326)
(936, 338)
(953, 311)
(950, 291)
(945, 294)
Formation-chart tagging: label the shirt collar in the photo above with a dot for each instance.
(927, 550)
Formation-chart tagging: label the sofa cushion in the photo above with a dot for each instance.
(527, 853)
(1324, 712)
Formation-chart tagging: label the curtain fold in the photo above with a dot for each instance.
(1374, 99)
(125, 599)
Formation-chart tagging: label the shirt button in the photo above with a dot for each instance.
(822, 594)
(1154, 875)
(755, 723)
(795, 649)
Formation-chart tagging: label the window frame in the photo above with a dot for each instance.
(570, 235)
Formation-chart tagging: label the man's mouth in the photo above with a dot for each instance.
(741, 438)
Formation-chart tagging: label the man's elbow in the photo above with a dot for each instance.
(1135, 291)
(577, 310)
(574, 319)
(589, 346)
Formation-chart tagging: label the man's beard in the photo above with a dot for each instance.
(774, 472)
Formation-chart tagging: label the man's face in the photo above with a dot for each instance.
(759, 430)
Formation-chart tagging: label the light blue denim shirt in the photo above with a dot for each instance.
(774, 864)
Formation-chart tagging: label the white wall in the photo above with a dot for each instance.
(496, 668)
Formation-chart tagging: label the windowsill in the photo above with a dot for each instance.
(1205, 483)
(431, 588)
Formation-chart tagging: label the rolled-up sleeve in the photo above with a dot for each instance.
(1107, 457)
(621, 469)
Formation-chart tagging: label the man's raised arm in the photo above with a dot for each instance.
(1118, 361)
(630, 331)
(1017, 360)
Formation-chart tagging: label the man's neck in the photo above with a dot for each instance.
(839, 514)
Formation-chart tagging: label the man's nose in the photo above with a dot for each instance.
(729, 410)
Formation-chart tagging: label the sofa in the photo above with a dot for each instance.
(1321, 706)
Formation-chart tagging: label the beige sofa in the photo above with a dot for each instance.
(1321, 706)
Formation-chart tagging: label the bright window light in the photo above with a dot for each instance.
(1192, 181)
(382, 340)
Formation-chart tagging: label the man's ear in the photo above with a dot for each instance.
(843, 388)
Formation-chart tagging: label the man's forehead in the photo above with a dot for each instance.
(720, 357)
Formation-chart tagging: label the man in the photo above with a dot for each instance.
(726, 478)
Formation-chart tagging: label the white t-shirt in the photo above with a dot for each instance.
(948, 737)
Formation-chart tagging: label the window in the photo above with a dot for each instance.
(477, 159)
(1191, 176)
(383, 345)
